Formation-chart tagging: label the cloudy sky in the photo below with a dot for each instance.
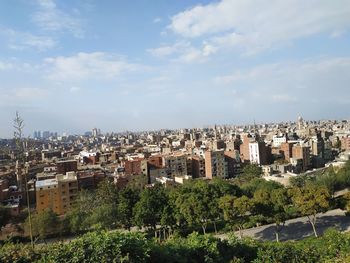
(73, 65)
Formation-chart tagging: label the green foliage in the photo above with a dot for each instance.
(44, 224)
(311, 200)
(197, 202)
(148, 210)
(79, 218)
(101, 247)
(134, 247)
(252, 170)
(128, 197)
(4, 216)
(259, 184)
(95, 210)
(236, 210)
(328, 178)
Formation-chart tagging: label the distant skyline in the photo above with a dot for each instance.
(70, 66)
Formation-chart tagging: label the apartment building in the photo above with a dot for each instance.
(215, 164)
(57, 194)
(176, 164)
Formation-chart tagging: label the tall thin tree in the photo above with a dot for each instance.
(21, 145)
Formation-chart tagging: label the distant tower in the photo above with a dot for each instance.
(94, 132)
(300, 123)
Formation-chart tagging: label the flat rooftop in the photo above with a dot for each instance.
(45, 183)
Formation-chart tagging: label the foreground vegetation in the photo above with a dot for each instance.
(135, 247)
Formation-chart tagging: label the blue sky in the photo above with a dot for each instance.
(70, 66)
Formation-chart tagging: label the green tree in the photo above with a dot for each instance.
(311, 200)
(273, 205)
(44, 223)
(148, 210)
(79, 217)
(194, 203)
(252, 170)
(106, 193)
(236, 211)
(128, 197)
(259, 184)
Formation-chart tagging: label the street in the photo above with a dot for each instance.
(299, 228)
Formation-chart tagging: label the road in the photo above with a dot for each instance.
(299, 228)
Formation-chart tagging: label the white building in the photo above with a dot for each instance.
(254, 154)
(278, 140)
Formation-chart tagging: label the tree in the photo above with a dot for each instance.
(194, 202)
(4, 216)
(106, 192)
(311, 200)
(236, 210)
(45, 223)
(299, 181)
(259, 184)
(252, 170)
(148, 210)
(128, 197)
(79, 217)
(273, 205)
(21, 145)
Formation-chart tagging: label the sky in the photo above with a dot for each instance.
(72, 65)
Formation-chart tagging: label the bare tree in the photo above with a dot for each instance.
(21, 145)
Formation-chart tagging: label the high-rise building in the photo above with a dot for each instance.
(198, 166)
(176, 164)
(244, 147)
(233, 163)
(46, 134)
(286, 149)
(303, 153)
(215, 164)
(95, 132)
(258, 153)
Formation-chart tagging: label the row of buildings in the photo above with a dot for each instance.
(59, 166)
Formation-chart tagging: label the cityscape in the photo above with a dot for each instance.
(174, 131)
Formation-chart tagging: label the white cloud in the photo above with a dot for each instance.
(5, 66)
(257, 25)
(51, 18)
(14, 64)
(30, 93)
(183, 51)
(294, 73)
(157, 20)
(23, 40)
(82, 66)
(319, 80)
(74, 89)
(168, 50)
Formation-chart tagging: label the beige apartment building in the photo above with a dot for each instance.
(57, 194)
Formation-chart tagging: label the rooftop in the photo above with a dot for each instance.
(47, 182)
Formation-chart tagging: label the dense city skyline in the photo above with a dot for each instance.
(75, 65)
